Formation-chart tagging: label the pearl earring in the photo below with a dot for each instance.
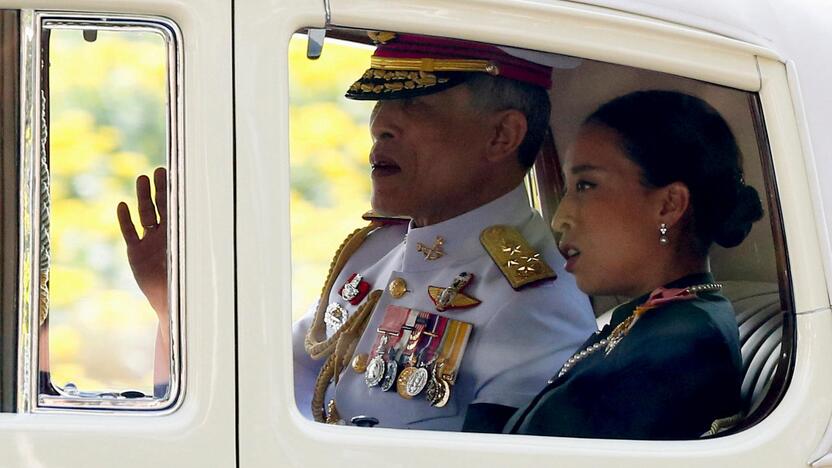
(663, 240)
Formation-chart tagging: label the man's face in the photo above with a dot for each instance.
(427, 156)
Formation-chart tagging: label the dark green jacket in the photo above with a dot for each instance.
(676, 371)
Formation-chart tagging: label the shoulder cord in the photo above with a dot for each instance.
(344, 348)
(316, 343)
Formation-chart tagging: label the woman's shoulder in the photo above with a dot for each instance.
(705, 320)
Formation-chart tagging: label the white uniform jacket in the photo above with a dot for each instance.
(520, 338)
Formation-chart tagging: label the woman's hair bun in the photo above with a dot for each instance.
(737, 224)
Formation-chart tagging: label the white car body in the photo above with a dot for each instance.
(238, 407)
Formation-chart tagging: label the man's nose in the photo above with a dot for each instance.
(383, 121)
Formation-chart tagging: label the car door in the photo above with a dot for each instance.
(634, 51)
(94, 96)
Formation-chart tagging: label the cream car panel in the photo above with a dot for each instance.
(805, 264)
(272, 432)
(569, 29)
(206, 417)
(271, 427)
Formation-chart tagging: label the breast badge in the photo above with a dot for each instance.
(452, 296)
(335, 316)
(516, 259)
(355, 289)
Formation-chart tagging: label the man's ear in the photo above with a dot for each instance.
(674, 202)
(510, 129)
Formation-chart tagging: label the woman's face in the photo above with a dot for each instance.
(608, 221)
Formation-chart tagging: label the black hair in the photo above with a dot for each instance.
(494, 93)
(675, 137)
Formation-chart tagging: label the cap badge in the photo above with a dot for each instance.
(355, 289)
(381, 37)
(452, 296)
(434, 252)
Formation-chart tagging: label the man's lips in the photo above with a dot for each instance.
(383, 166)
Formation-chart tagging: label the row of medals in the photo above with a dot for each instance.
(412, 380)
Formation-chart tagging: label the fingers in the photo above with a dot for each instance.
(128, 230)
(147, 211)
(160, 180)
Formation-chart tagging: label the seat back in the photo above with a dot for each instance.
(760, 322)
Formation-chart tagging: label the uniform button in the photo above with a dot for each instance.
(397, 288)
(359, 362)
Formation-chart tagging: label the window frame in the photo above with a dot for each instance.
(9, 131)
(33, 147)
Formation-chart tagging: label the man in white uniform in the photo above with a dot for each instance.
(454, 298)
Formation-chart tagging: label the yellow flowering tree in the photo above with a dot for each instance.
(328, 148)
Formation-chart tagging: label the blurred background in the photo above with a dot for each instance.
(107, 105)
(108, 125)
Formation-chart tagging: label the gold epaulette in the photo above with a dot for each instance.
(372, 215)
(519, 262)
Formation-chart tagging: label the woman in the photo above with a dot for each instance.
(653, 180)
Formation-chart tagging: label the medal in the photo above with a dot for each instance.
(390, 327)
(374, 372)
(389, 375)
(396, 350)
(452, 296)
(335, 316)
(355, 289)
(376, 367)
(416, 381)
(401, 383)
(439, 391)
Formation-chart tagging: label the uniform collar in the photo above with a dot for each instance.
(461, 235)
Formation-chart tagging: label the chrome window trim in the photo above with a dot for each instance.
(32, 137)
(30, 222)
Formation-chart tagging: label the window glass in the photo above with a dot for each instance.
(329, 143)
(331, 184)
(109, 133)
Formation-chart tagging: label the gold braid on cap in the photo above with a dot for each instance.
(434, 65)
(317, 345)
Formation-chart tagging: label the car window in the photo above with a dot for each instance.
(101, 99)
(330, 189)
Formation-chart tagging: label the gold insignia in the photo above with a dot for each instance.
(434, 252)
(457, 301)
(452, 296)
(359, 362)
(397, 288)
(381, 37)
(519, 262)
(373, 215)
